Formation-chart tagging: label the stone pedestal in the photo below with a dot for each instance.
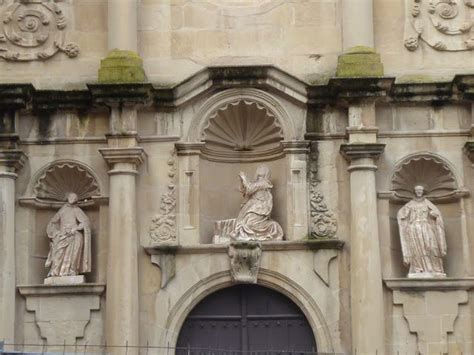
(65, 280)
(122, 269)
(10, 162)
(62, 313)
(367, 308)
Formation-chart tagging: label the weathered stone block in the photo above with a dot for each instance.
(121, 67)
(359, 62)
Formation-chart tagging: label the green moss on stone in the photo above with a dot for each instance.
(359, 61)
(120, 67)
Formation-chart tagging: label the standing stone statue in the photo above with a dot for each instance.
(70, 244)
(422, 237)
(253, 222)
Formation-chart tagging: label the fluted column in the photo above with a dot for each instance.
(11, 160)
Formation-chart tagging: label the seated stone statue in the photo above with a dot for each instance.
(422, 237)
(254, 220)
(69, 233)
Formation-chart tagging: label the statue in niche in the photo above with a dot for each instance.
(253, 222)
(70, 243)
(422, 237)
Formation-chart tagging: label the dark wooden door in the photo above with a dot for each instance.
(246, 318)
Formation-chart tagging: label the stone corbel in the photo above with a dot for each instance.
(431, 308)
(469, 150)
(12, 159)
(62, 312)
(321, 262)
(167, 265)
(245, 260)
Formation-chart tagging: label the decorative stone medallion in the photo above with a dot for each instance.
(445, 25)
(33, 30)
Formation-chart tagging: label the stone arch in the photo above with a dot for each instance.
(431, 170)
(266, 278)
(222, 99)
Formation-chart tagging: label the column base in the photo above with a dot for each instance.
(121, 67)
(359, 61)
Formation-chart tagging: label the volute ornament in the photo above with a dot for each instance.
(323, 220)
(33, 30)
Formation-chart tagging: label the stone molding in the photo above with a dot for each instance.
(444, 284)
(461, 88)
(284, 246)
(132, 155)
(354, 151)
(62, 312)
(14, 159)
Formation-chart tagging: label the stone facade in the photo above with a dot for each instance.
(148, 110)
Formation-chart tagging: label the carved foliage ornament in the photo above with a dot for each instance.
(63, 178)
(245, 261)
(428, 171)
(33, 30)
(163, 225)
(445, 25)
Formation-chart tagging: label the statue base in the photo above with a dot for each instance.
(65, 280)
(426, 275)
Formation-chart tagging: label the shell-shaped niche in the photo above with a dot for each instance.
(428, 171)
(242, 131)
(63, 178)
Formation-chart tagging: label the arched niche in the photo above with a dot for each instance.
(237, 130)
(441, 185)
(45, 195)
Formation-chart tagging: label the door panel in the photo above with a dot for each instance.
(246, 318)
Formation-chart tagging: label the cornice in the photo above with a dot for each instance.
(267, 77)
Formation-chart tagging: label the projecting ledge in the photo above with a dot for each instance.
(444, 284)
(312, 244)
(53, 290)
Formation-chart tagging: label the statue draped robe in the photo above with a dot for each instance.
(70, 251)
(422, 237)
(253, 221)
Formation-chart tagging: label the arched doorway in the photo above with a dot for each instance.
(246, 318)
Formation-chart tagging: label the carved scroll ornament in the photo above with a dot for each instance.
(323, 220)
(33, 30)
(445, 25)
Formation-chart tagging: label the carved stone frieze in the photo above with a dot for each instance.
(245, 260)
(163, 225)
(445, 25)
(33, 30)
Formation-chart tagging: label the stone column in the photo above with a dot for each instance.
(122, 25)
(357, 23)
(122, 308)
(122, 64)
(11, 160)
(367, 310)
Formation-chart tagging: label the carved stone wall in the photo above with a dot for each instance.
(33, 30)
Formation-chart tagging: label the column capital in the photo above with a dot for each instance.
(355, 151)
(12, 158)
(296, 147)
(131, 155)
